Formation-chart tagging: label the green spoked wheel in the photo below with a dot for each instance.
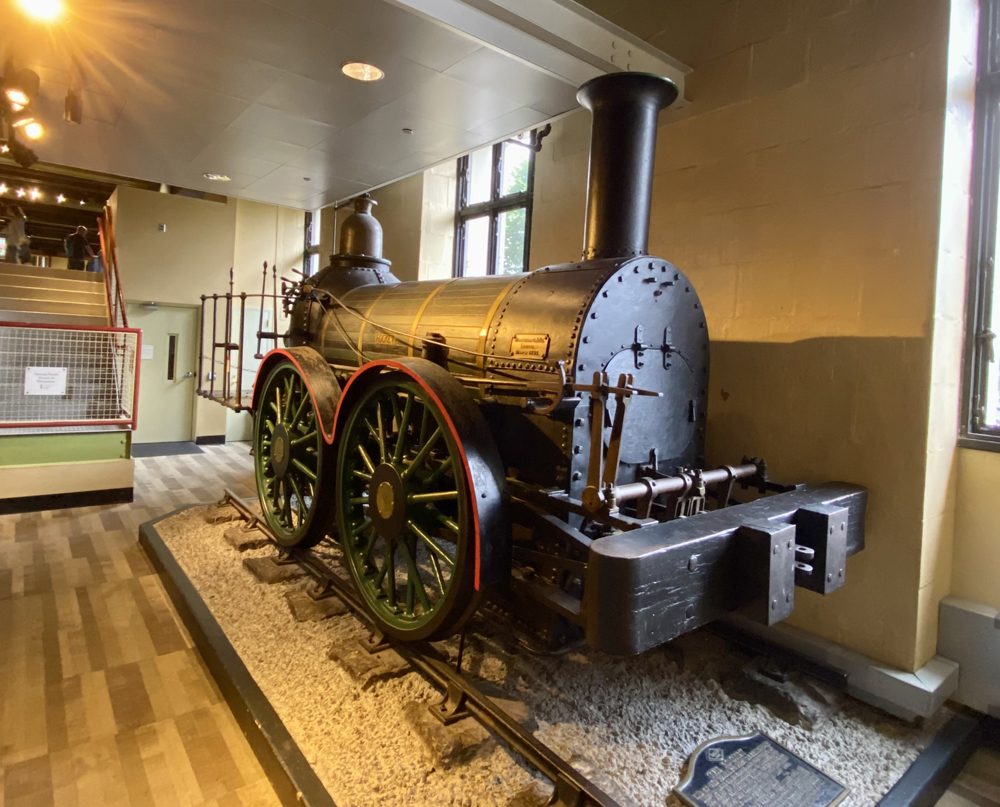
(291, 459)
(403, 511)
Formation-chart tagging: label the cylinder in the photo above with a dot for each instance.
(625, 107)
(361, 234)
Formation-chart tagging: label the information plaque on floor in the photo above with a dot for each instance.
(754, 771)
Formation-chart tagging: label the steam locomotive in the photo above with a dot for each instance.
(538, 438)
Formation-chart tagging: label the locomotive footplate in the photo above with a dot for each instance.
(647, 586)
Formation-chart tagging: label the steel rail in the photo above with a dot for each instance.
(572, 789)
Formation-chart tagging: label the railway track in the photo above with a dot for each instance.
(460, 697)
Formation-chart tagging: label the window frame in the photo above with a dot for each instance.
(493, 207)
(980, 342)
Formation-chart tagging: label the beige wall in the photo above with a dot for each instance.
(202, 241)
(976, 574)
(417, 215)
(800, 190)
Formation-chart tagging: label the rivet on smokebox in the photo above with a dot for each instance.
(693, 563)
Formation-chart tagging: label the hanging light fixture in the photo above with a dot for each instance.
(22, 87)
(33, 130)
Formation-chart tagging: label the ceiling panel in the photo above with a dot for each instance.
(174, 89)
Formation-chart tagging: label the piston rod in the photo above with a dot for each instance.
(683, 481)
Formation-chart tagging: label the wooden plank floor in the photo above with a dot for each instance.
(103, 698)
(978, 785)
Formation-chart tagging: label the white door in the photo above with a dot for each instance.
(167, 373)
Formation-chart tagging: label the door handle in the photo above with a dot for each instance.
(189, 374)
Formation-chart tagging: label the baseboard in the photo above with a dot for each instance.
(60, 501)
(969, 634)
(904, 694)
(210, 439)
(59, 479)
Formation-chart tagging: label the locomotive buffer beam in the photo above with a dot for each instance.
(647, 586)
(572, 789)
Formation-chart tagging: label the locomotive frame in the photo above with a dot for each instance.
(536, 439)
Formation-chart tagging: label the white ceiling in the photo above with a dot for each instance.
(253, 89)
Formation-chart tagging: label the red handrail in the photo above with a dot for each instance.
(116, 299)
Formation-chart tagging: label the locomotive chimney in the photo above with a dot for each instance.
(625, 107)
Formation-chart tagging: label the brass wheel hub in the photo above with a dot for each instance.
(387, 501)
(280, 450)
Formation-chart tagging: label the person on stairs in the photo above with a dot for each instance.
(18, 245)
(78, 249)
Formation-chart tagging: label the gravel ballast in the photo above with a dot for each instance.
(636, 719)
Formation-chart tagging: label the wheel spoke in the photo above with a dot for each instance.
(424, 420)
(404, 422)
(371, 545)
(381, 433)
(414, 575)
(304, 468)
(298, 412)
(441, 469)
(300, 502)
(390, 565)
(436, 566)
(303, 438)
(361, 474)
(449, 523)
(438, 496)
(289, 392)
(433, 547)
(359, 499)
(364, 525)
(422, 454)
(366, 459)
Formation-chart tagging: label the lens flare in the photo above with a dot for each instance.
(44, 10)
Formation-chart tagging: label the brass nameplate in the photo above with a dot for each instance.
(530, 346)
(382, 338)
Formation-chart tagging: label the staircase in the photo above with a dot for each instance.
(52, 296)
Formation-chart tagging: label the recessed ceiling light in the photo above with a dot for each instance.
(216, 177)
(82, 202)
(4, 148)
(361, 71)
(407, 130)
(45, 10)
(60, 198)
(34, 193)
(3, 188)
(20, 193)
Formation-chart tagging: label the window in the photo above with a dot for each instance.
(981, 398)
(493, 217)
(310, 249)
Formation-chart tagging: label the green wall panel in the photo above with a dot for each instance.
(40, 449)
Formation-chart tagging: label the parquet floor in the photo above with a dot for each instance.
(103, 699)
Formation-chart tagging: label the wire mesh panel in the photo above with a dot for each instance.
(57, 375)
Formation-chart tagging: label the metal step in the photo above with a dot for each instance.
(53, 319)
(70, 295)
(48, 272)
(57, 283)
(89, 309)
